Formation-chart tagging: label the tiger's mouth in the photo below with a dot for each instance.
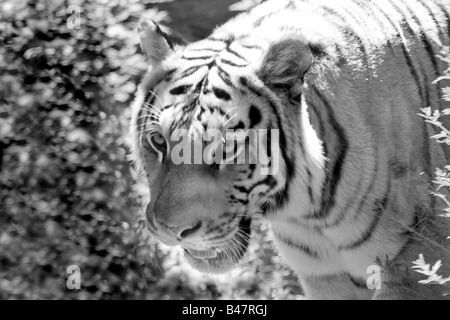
(224, 258)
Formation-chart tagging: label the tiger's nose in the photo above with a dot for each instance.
(187, 231)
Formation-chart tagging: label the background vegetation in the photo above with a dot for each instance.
(68, 71)
(442, 180)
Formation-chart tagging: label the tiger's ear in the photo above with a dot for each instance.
(157, 42)
(285, 65)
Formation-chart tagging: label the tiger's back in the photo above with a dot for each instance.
(343, 82)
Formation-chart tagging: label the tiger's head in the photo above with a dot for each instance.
(198, 93)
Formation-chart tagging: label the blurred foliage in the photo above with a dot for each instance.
(442, 175)
(68, 71)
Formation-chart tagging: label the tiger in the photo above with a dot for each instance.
(350, 207)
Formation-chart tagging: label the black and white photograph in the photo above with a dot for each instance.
(227, 154)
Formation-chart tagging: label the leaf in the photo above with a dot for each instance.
(33, 53)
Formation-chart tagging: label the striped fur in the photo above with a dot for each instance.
(343, 82)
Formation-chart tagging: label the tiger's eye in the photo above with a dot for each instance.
(158, 142)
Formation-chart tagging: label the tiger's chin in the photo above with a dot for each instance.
(223, 259)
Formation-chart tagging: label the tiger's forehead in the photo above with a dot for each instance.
(200, 90)
(200, 113)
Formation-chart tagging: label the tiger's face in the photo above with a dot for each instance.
(201, 206)
(192, 121)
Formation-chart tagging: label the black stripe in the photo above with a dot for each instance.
(252, 168)
(269, 181)
(255, 116)
(406, 55)
(380, 207)
(217, 40)
(364, 198)
(360, 283)
(426, 43)
(199, 86)
(197, 58)
(290, 167)
(164, 35)
(153, 117)
(239, 126)
(269, 138)
(236, 54)
(330, 184)
(231, 63)
(149, 99)
(433, 17)
(347, 30)
(190, 71)
(301, 247)
(188, 108)
(200, 114)
(180, 90)
(224, 76)
(310, 190)
(168, 76)
(447, 16)
(241, 189)
(221, 94)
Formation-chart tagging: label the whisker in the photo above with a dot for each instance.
(225, 124)
(226, 113)
(240, 247)
(149, 131)
(148, 116)
(147, 128)
(148, 123)
(156, 96)
(143, 251)
(228, 251)
(151, 113)
(151, 107)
